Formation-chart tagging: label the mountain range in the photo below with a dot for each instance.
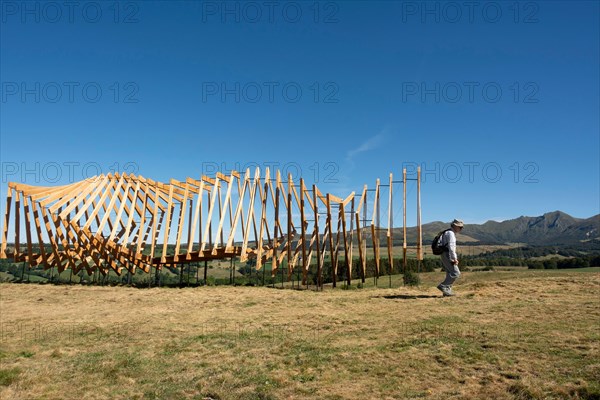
(553, 228)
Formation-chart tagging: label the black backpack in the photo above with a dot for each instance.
(436, 246)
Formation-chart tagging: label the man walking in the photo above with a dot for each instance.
(449, 257)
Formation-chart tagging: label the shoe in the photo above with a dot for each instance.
(446, 291)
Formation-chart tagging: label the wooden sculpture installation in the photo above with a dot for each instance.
(120, 221)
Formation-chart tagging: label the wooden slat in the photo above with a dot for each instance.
(222, 219)
(347, 260)
(276, 229)
(390, 227)
(6, 224)
(263, 220)
(51, 237)
(305, 262)
(73, 202)
(330, 234)
(90, 201)
(64, 192)
(289, 227)
(120, 210)
(250, 215)
(131, 213)
(17, 226)
(142, 219)
(211, 207)
(154, 226)
(404, 220)
(337, 243)
(197, 214)
(182, 211)
(167, 222)
(38, 229)
(361, 255)
(28, 231)
(100, 205)
(419, 228)
(316, 234)
(375, 228)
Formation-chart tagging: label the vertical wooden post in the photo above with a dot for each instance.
(6, 223)
(361, 255)
(263, 220)
(289, 227)
(276, 233)
(38, 229)
(211, 207)
(375, 228)
(27, 212)
(303, 233)
(140, 239)
(190, 237)
(336, 252)
(350, 240)
(318, 240)
(167, 225)
(17, 225)
(404, 220)
(390, 229)
(250, 216)
(331, 250)
(239, 212)
(197, 217)
(419, 228)
(154, 227)
(364, 229)
(182, 212)
(219, 234)
(346, 252)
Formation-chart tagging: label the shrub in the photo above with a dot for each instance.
(411, 279)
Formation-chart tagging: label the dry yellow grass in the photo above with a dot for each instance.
(508, 335)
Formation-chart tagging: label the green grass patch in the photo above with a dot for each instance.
(9, 376)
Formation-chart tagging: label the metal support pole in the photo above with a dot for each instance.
(205, 271)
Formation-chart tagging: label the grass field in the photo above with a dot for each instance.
(510, 334)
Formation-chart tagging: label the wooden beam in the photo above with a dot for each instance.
(305, 262)
(375, 228)
(182, 212)
(6, 224)
(316, 233)
(250, 216)
(223, 214)
(263, 221)
(28, 230)
(331, 250)
(197, 213)
(167, 222)
(211, 208)
(390, 231)
(404, 220)
(17, 225)
(419, 228)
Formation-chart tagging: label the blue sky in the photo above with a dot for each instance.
(498, 103)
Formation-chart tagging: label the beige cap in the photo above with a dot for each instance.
(458, 223)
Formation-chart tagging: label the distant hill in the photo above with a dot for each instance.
(550, 229)
(553, 228)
